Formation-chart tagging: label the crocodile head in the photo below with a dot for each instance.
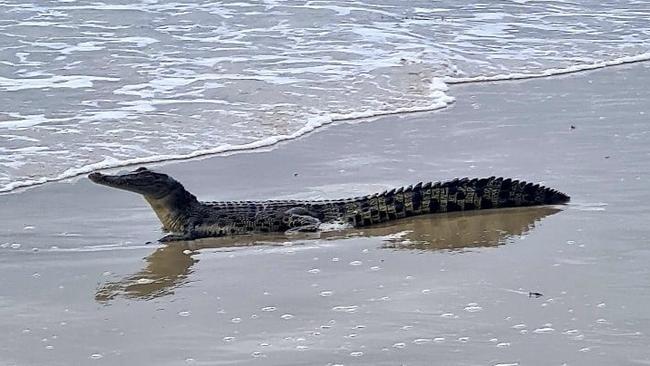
(142, 180)
(168, 198)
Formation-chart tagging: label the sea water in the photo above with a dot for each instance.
(89, 84)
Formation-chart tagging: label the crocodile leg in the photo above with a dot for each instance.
(188, 233)
(301, 223)
(299, 219)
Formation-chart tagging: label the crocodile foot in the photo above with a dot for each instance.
(299, 219)
(176, 237)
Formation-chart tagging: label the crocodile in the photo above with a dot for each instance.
(187, 218)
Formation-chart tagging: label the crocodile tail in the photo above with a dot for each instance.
(456, 195)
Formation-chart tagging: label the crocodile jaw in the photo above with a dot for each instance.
(114, 181)
(127, 182)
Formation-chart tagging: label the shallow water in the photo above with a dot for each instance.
(346, 297)
(88, 85)
(83, 286)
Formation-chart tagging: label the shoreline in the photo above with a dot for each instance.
(81, 283)
(272, 142)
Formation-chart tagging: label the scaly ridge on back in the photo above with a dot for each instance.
(439, 197)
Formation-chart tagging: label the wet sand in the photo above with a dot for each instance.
(83, 281)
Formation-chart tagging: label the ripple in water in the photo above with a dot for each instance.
(346, 309)
(422, 340)
(544, 330)
(258, 354)
(473, 308)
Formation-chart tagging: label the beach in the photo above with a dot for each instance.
(85, 282)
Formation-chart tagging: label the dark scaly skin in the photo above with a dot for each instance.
(187, 218)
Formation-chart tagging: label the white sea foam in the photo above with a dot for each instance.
(20, 121)
(311, 125)
(552, 71)
(84, 89)
(139, 41)
(54, 81)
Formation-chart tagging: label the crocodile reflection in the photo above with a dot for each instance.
(170, 266)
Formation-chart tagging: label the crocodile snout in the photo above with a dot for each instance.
(95, 177)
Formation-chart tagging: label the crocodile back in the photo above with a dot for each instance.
(439, 197)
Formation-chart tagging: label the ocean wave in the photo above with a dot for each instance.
(552, 71)
(194, 79)
(442, 100)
